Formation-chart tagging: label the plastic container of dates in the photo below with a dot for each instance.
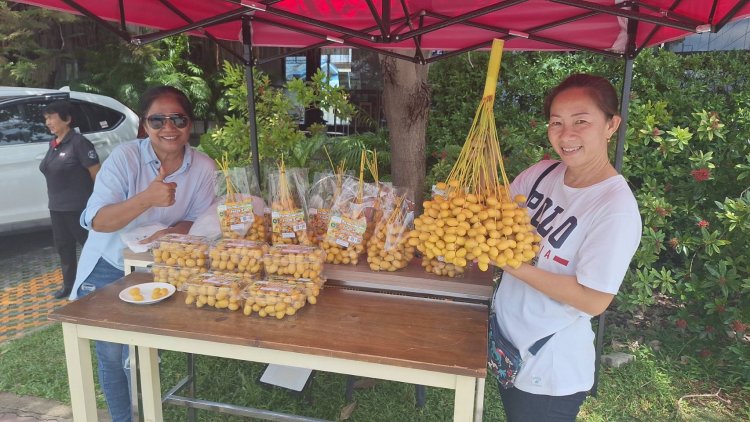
(238, 256)
(311, 288)
(296, 261)
(173, 274)
(220, 291)
(273, 299)
(181, 250)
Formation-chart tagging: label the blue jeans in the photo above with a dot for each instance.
(521, 406)
(113, 368)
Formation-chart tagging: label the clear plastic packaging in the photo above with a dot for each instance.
(389, 249)
(320, 198)
(441, 268)
(221, 291)
(345, 237)
(173, 274)
(273, 299)
(240, 207)
(181, 250)
(286, 189)
(297, 261)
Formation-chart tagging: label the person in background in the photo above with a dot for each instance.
(591, 227)
(159, 179)
(70, 167)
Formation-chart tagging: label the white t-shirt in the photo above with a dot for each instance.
(591, 233)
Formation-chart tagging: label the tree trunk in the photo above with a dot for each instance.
(406, 104)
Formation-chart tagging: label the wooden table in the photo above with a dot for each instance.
(416, 340)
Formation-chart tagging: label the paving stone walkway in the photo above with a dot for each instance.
(29, 276)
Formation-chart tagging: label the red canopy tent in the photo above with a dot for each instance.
(450, 25)
(617, 28)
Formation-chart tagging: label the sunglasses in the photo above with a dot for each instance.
(157, 121)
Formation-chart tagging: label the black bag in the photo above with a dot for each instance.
(503, 358)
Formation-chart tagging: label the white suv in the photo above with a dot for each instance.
(24, 140)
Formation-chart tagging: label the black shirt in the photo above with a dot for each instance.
(66, 168)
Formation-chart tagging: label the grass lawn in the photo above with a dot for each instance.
(661, 385)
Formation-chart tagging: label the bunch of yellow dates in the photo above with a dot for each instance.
(460, 228)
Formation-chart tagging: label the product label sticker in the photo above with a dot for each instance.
(236, 214)
(288, 222)
(345, 231)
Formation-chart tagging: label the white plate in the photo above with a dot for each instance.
(146, 289)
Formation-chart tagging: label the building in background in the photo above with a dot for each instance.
(734, 36)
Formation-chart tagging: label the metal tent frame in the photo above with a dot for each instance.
(404, 28)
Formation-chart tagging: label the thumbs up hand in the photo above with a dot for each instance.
(159, 192)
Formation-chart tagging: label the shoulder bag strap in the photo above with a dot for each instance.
(541, 342)
(544, 174)
(538, 180)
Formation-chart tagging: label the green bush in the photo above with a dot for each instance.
(277, 117)
(688, 157)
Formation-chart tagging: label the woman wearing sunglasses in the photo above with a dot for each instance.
(159, 179)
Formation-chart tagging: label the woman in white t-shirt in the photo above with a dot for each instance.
(591, 227)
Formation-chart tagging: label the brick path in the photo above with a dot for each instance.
(29, 276)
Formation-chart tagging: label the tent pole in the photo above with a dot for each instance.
(312, 64)
(625, 103)
(247, 54)
(630, 52)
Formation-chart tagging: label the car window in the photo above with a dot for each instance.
(96, 118)
(23, 123)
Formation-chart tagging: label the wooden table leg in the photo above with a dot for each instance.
(479, 401)
(148, 361)
(134, 388)
(463, 405)
(80, 374)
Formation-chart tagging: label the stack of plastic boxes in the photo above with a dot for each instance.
(233, 274)
(298, 265)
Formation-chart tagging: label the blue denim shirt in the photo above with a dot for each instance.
(130, 169)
